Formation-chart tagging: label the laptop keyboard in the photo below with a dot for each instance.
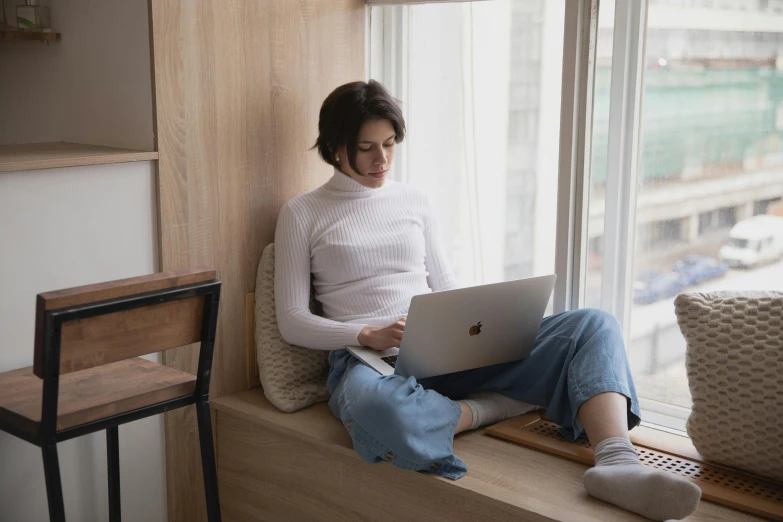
(390, 360)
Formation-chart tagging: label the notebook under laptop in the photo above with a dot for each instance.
(466, 328)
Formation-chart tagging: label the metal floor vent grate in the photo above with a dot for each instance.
(724, 486)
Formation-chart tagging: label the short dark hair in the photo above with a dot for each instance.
(344, 112)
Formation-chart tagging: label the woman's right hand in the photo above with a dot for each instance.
(382, 337)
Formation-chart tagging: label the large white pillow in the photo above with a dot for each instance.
(735, 373)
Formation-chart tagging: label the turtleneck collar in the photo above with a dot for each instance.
(343, 183)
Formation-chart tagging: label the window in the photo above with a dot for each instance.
(739, 243)
(479, 84)
(677, 115)
(716, 219)
(711, 157)
(763, 206)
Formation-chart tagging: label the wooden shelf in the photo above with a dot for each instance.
(54, 155)
(39, 36)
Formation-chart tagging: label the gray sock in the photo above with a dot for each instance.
(491, 407)
(619, 478)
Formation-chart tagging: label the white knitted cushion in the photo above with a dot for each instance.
(292, 377)
(735, 374)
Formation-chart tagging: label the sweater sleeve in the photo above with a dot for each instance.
(440, 275)
(297, 324)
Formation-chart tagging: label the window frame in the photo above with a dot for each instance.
(625, 128)
(576, 111)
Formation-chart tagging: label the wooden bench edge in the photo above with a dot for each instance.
(531, 508)
(223, 405)
(467, 487)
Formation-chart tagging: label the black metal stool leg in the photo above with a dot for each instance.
(208, 461)
(54, 487)
(113, 460)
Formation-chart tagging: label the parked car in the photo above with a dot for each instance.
(753, 242)
(653, 286)
(697, 269)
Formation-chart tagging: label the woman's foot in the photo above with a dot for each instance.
(619, 478)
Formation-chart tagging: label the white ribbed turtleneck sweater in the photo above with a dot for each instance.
(369, 251)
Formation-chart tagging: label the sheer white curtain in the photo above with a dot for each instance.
(454, 90)
(393, 2)
(480, 89)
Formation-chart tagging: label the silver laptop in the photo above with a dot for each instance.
(466, 328)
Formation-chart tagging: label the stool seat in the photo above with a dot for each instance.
(91, 394)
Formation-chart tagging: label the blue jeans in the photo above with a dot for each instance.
(411, 424)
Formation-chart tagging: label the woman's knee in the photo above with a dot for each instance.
(592, 321)
(598, 319)
(378, 405)
(599, 330)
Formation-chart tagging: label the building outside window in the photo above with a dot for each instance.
(480, 84)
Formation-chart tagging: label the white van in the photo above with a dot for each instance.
(753, 242)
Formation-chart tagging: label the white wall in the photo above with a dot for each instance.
(61, 228)
(94, 86)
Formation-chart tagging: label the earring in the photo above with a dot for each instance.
(337, 159)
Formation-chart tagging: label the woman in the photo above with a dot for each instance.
(369, 244)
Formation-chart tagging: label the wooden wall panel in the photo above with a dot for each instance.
(238, 87)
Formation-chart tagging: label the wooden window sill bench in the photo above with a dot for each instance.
(301, 466)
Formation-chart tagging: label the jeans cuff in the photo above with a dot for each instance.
(633, 412)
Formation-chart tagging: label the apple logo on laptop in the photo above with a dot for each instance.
(475, 330)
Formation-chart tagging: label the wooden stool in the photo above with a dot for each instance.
(87, 374)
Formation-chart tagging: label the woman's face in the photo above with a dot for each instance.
(375, 151)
